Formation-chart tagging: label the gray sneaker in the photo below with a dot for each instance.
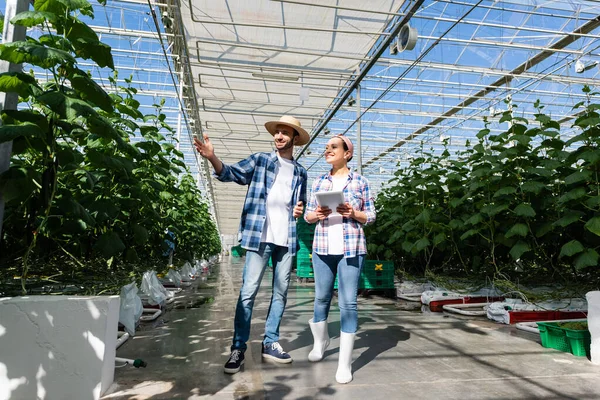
(274, 352)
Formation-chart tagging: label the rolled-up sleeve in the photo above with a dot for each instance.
(312, 201)
(369, 203)
(240, 172)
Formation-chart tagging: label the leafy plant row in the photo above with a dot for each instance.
(524, 203)
(93, 184)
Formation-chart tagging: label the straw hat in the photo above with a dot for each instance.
(293, 123)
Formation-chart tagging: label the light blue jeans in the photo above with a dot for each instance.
(348, 271)
(254, 269)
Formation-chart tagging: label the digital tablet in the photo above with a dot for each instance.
(330, 199)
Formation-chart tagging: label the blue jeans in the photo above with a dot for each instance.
(348, 271)
(254, 269)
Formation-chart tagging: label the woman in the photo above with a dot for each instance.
(339, 248)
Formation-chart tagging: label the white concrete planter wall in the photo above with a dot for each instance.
(593, 299)
(57, 347)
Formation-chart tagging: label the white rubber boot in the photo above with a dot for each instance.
(321, 340)
(344, 371)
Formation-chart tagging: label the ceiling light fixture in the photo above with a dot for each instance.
(277, 77)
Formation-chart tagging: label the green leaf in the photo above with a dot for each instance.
(571, 248)
(505, 191)
(532, 187)
(543, 229)
(18, 82)
(131, 255)
(468, 234)
(519, 249)
(12, 116)
(75, 29)
(422, 244)
(109, 244)
(493, 209)
(165, 195)
(544, 172)
(26, 129)
(518, 230)
(522, 139)
(474, 219)
(524, 210)
(574, 194)
(569, 218)
(424, 217)
(18, 183)
(102, 127)
(439, 238)
(579, 176)
(140, 234)
(588, 258)
(593, 225)
(32, 18)
(99, 52)
(60, 7)
(456, 224)
(91, 91)
(67, 107)
(36, 54)
(482, 133)
(593, 202)
(132, 112)
(591, 156)
(592, 121)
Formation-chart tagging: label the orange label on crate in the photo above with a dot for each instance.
(378, 267)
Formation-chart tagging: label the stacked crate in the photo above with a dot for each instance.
(304, 267)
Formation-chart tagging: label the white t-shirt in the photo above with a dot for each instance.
(335, 231)
(279, 201)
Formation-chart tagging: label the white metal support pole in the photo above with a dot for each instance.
(358, 132)
(9, 101)
(180, 109)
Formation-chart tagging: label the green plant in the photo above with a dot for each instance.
(520, 204)
(92, 181)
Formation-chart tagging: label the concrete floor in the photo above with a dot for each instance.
(398, 354)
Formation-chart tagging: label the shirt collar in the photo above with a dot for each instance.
(350, 175)
(273, 157)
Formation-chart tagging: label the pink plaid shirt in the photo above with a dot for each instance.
(358, 194)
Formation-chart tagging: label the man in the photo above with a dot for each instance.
(275, 198)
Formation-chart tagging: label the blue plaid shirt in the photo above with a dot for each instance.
(258, 172)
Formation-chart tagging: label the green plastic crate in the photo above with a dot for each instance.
(238, 251)
(576, 342)
(375, 275)
(580, 342)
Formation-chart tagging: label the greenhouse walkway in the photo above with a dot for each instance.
(399, 354)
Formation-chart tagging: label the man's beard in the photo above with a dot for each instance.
(287, 146)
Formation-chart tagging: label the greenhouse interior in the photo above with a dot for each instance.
(143, 254)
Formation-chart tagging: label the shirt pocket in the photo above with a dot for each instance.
(356, 201)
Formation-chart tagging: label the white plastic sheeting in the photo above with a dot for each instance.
(131, 308)
(499, 311)
(440, 294)
(174, 277)
(151, 286)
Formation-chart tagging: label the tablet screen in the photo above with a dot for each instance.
(330, 199)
